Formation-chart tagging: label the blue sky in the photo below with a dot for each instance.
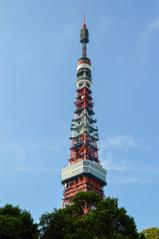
(39, 48)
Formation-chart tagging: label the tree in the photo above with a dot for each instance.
(151, 233)
(16, 224)
(105, 220)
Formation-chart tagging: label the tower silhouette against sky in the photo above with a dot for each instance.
(84, 171)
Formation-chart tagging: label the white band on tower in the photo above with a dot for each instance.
(83, 65)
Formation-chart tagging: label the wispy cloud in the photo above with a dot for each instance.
(124, 142)
(151, 30)
(66, 32)
(129, 159)
(39, 156)
(103, 26)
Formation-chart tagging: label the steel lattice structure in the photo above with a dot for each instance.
(84, 171)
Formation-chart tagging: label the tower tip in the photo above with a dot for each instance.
(84, 21)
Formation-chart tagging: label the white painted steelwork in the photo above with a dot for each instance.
(84, 167)
(83, 65)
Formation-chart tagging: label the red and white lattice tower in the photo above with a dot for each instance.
(84, 171)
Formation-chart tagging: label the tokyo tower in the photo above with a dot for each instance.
(84, 171)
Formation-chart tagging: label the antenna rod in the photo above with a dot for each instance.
(84, 38)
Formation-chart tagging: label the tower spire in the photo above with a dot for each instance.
(84, 20)
(84, 38)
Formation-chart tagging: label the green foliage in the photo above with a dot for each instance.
(151, 233)
(16, 224)
(105, 220)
